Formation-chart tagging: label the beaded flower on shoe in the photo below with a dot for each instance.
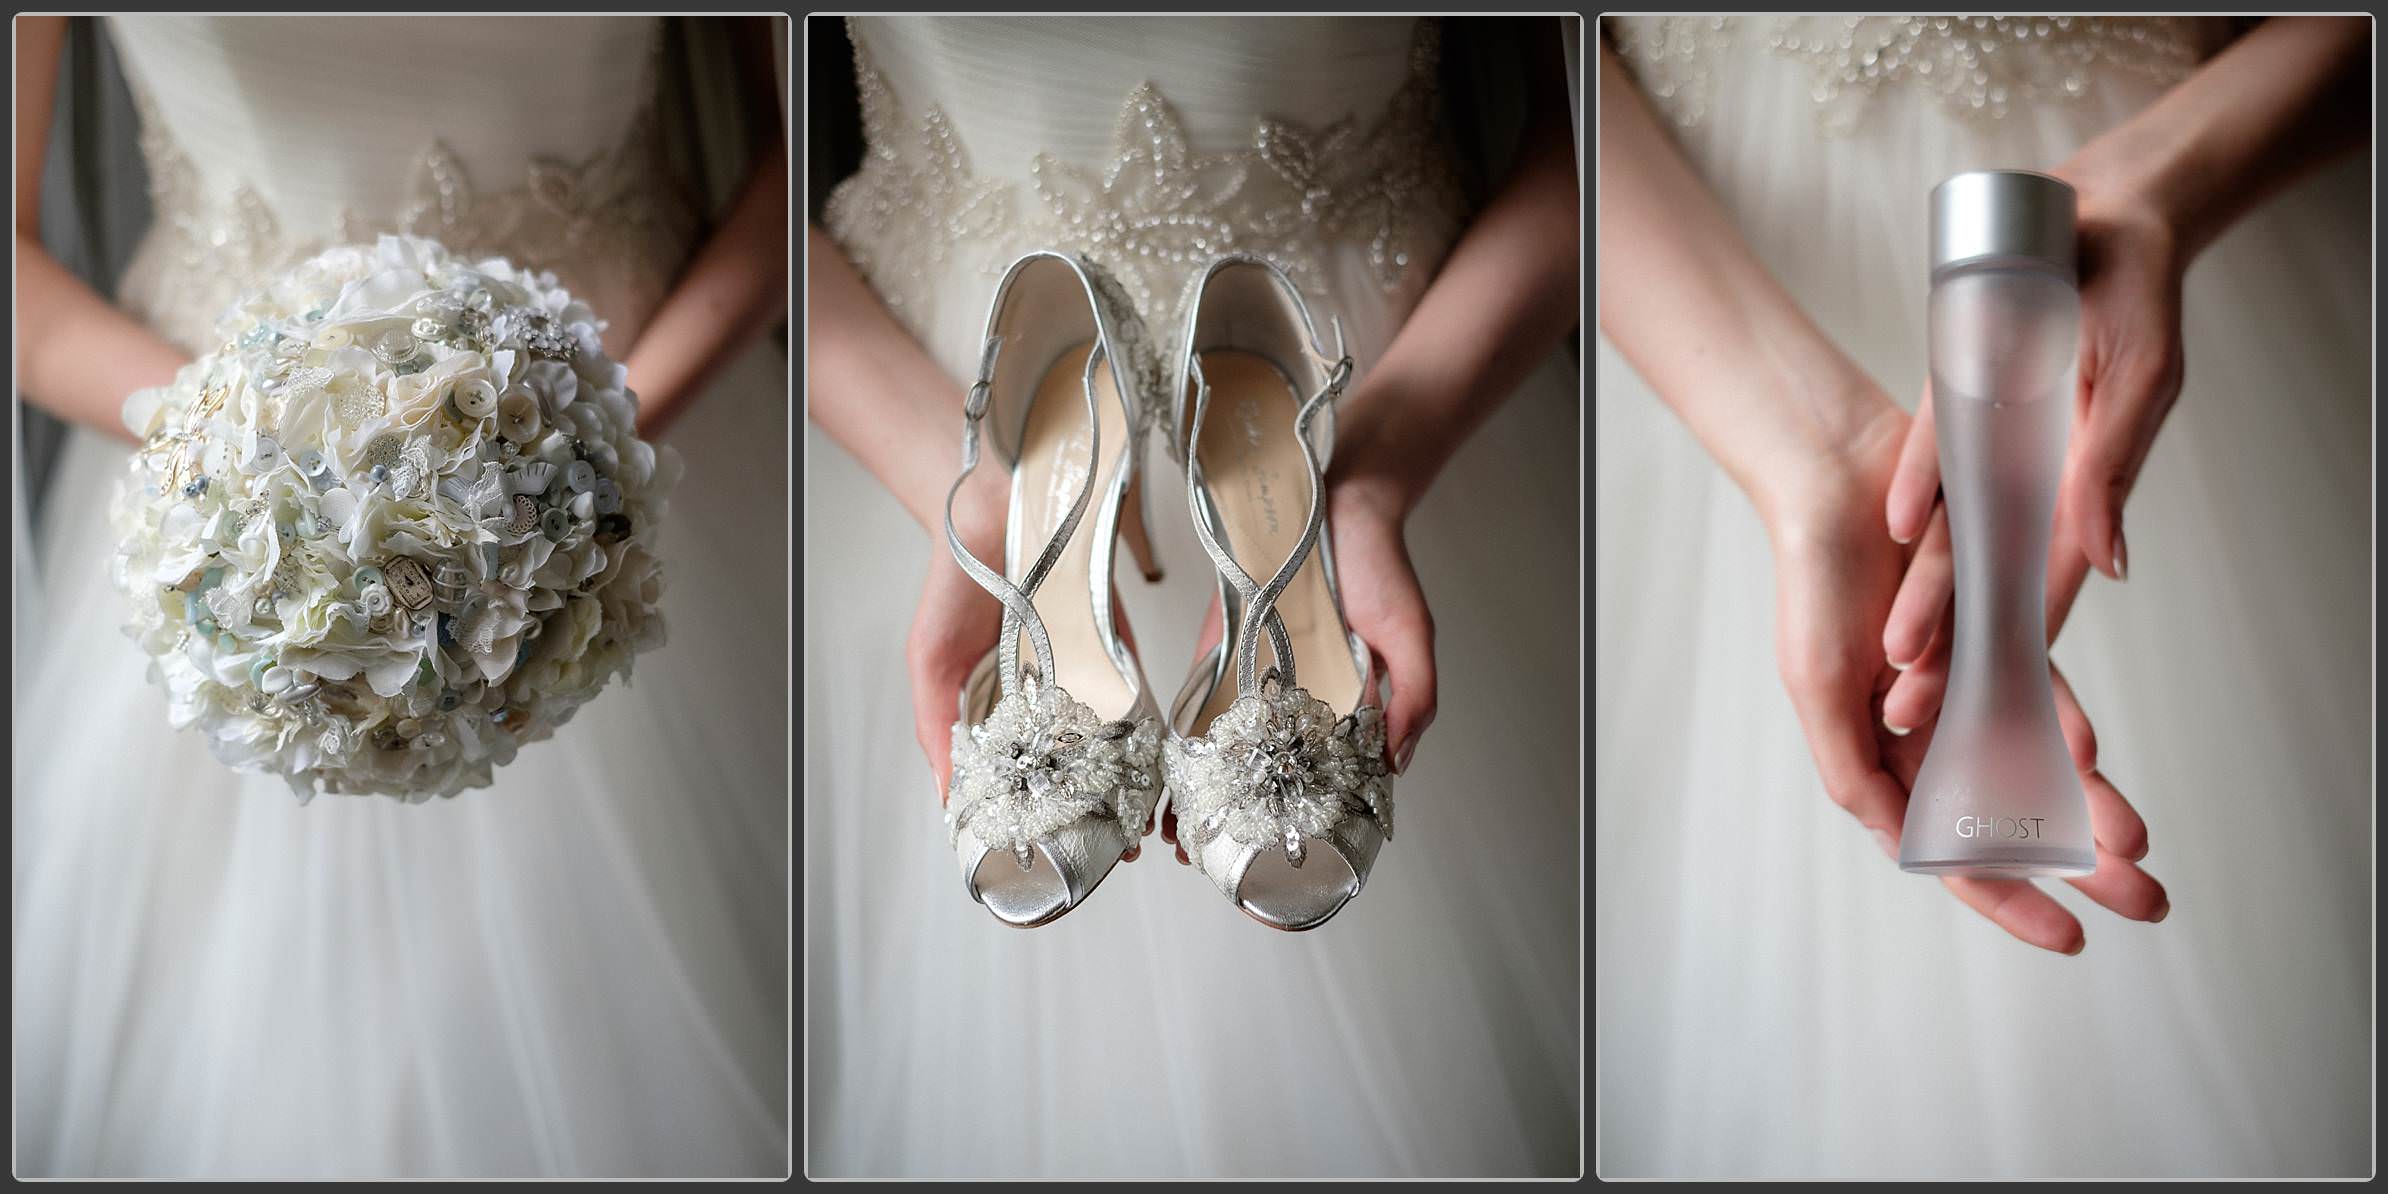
(1040, 761)
(1278, 767)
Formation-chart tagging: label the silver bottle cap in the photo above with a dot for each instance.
(1985, 215)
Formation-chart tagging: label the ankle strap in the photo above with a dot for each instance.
(1019, 608)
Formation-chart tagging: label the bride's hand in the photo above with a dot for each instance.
(1385, 605)
(78, 354)
(1814, 444)
(1836, 579)
(955, 625)
(2130, 368)
(2153, 192)
(1915, 636)
(2131, 267)
(952, 629)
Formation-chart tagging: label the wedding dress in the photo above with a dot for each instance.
(1777, 1000)
(580, 971)
(1433, 1027)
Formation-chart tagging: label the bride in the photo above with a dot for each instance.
(1432, 1027)
(1776, 999)
(580, 971)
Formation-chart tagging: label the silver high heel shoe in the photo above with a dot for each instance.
(1282, 793)
(1055, 758)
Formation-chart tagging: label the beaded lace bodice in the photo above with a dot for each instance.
(267, 139)
(1255, 144)
(1975, 68)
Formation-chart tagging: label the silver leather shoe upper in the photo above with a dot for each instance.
(1037, 775)
(1278, 769)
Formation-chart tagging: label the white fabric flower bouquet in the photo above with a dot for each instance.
(395, 526)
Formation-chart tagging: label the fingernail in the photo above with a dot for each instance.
(2079, 944)
(2162, 910)
(2122, 554)
(1901, 731)
(1401, 758)
(1897, 666)
(1889, 844)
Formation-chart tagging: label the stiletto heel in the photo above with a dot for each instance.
(1134, 518)
(1258, 770)
(1056, 753)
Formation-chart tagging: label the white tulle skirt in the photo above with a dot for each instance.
(1775, 999)
(581, 971)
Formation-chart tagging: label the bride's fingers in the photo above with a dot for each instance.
(2031, 915)
(1923, 595)
(2068, 568)
(2113, 822)
(2124, 889)
(2079, 737)
(951, 630)
(1847, 757)
(1914, 698)
(1169, 835)
(2128, 401)
(1917, 477)
(936, 689)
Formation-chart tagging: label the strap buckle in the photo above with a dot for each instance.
(974, 406)
(1340, 376)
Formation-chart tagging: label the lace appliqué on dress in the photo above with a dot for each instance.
(1973, 67)
(1158, 209)
(615, 229)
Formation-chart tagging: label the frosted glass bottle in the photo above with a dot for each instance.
(1998, 795)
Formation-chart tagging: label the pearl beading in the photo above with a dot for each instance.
(1974, 68)
(1160, 209)
(615, 228)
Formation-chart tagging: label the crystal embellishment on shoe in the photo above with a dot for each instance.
(1279, 767)
(1041, 761)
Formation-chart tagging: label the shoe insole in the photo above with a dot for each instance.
(1054, 450)
(1252, 460)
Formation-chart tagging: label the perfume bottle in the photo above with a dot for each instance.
(1998, 795)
